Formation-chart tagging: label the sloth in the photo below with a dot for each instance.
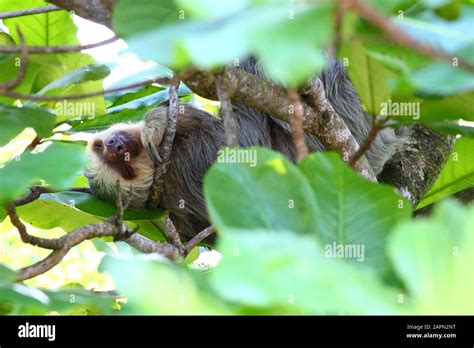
(127, 152)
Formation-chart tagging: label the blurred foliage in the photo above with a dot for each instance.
(277, 221)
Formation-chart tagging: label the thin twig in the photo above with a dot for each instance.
(166, 147)
(163, 80)
(296, 121)
(29, 11)
(230, 125)
(172, 235)
(338, 20)
(160, 80)
(25, 236)
(377, 126)
(58, 49)
(23, 65)
(397, 35)
(198, 238)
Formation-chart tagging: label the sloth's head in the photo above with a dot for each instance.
(118, 154)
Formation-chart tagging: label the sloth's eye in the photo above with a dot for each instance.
(98, 145)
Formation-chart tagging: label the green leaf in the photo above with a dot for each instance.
(80, 302)
(153, 14)
(292, 272)
(368, 74)
(89, 72)
(434, 258)
(6, 274)
(270, 30)
(272, 194)
(440, 108)
(57, 165)
(44, 29)
(443, 79)
(178, 293)
(14, 120)
(457, 175)
(23, 299)
(130, 96)
(151, 99)
(357, 212)
(54, 68)
(92, 205)
(205, 9)
(104, 121)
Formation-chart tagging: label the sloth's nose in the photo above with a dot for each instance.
(115, 145)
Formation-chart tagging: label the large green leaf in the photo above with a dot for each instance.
(273, 194)
(44, 29)
(369, 75)
(57, 165)
(176, 291)
(58, 65)
(151, 99)
(70, 210)
(51, 29)
(458, 173)
(355, 211)
(104, 121)
(18, 299)
(434, 258)
(90, 72)
(292, 272)
(14, 120)
(270, 30)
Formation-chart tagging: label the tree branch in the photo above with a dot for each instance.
(99, 11)
(17, 95)
(112, 227)
(29, 11)
(5, 86)
(262, 95)
(198, 238)
(57, 49)
(397, 35)
(166, 147)
(414, 170)
(230, 126)
(296, 121)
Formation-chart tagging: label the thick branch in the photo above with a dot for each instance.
(250, 90)
(99, 11)
(415, 170)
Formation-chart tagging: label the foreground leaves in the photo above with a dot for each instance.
(434, 258)
(457, 175)
(266, 268)
(18, 299)
(17, 176)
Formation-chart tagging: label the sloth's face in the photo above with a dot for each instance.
(117, 154)
(118, 148)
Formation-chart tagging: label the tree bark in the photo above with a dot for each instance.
(414, 170)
